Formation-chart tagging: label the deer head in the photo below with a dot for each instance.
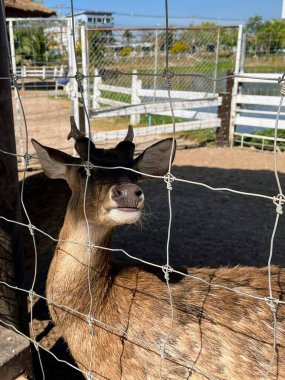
(111, 196)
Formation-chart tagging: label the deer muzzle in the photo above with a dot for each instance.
(128, 197)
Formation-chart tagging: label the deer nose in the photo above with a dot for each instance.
(127, 195)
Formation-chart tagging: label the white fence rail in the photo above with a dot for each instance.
(186, 104)
(39, 72)
(254, 111)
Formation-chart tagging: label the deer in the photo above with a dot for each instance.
(118, 319)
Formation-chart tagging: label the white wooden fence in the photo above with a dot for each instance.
(250, 110)
(43, 72)
(186, 104)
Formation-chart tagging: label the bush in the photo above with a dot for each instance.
(126, 51)
(179, 47)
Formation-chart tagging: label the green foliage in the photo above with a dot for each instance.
(179, 47)
(265, 37)
(33, 45)
(253, 25)
(201, 136)
(125, 52)
(162, 40)
(228, 37)
(97, 41)
(266, 133)
(128, 35)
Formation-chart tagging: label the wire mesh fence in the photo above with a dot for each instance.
(165, 346)
(113, 52)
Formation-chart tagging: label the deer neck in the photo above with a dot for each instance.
(78, 267)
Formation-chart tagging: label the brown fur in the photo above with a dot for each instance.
(217, 334)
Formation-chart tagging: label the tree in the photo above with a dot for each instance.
(127, 35)
(253, 25)
(97, 48)
(162, 39)
(33, 45)
(265, 36)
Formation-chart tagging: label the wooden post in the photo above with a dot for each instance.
(224, 113)
(13, 307)
(82, 120)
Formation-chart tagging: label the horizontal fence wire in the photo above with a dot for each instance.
(164, 349)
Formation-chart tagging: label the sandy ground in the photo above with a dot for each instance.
(208, 228)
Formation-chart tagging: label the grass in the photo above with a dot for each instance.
(257, 142)
(201, 136)
(122, 122)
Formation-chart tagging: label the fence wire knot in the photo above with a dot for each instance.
(162, 350)
(31, 295)
(279, 201)
(281, 81)
(166, 269)
(27, 157)
(79, 79)
(90, 246)
(14, 78)
(272, 303)
(88, 166)
(31, 229)
(168, 179)
(168, 75)
(89, 319)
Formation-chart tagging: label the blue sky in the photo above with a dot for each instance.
(181, 12)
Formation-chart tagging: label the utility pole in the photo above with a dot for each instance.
(283, 10)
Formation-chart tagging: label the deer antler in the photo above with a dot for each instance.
(74, 132)
(82, 143)
(130, 135)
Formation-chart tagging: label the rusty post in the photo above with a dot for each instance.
(224, 113)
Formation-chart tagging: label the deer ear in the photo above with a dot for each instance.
(53, 161)
(155, 159)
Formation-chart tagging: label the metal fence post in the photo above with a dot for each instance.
(96, 90)
(12, 46)
(155, 65)
(72, 72)
(135, 99)
(235, 87)
(85, 81)
(216, 60)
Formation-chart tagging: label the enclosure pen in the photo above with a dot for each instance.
(80, 86)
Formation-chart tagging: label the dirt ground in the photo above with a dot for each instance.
(209, 228)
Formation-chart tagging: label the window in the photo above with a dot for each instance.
(108, 20)
(99, 19)
(89, 19)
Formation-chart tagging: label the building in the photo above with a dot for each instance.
(94, 18)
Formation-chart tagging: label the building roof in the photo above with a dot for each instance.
(95, 13)
(26, 8)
